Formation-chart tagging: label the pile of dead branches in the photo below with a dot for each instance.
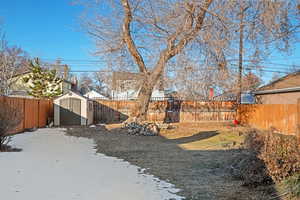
(142, 129)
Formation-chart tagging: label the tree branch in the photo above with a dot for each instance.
(215, 15)
(193, 33)
(173, 49)
(128, 38)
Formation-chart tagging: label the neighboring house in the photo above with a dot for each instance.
(285, 90)
(126, 85)
(246, 97)
(95, 95)
(171, 94)
(20, 89)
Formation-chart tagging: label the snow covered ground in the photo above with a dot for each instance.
(53, 166)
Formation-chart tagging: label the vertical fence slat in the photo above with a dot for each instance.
(35, 112)
(281, 117)
(108, 111)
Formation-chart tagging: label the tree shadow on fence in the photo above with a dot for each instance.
(108, 115)
(167, 111)
(172, 111)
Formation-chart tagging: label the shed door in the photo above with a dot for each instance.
(70, 111)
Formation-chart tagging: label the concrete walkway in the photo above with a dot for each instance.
(53, 166)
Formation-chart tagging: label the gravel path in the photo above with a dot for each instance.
(53, 166)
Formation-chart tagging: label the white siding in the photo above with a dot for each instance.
(86, 111)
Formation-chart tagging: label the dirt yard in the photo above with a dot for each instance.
(194, 157)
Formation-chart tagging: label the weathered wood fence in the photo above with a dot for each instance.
(285, 118)
(106, 111)
(35, 112)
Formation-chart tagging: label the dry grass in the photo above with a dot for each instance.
(211, 136)
(194, 157)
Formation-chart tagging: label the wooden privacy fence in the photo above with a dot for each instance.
(107, 111)
(35, 112)
(281, 117)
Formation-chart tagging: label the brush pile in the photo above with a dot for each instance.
(141, 129)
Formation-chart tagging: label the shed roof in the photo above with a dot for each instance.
(75, 93)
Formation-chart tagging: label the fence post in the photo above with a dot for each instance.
(298, 120)
(39, 115)
(24, 114)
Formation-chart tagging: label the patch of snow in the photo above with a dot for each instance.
(53, 166)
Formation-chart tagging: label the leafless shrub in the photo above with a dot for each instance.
(250, 169)
(254, 141)
(269, 156)
(10, 118)
(281, 154)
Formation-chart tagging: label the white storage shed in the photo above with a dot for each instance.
(73, 109)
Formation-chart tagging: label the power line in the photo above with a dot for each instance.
(83, 71)
(102, 61)
(91, 63)
(248, 68)
(91, 71)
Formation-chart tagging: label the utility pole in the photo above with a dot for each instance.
(241, 48)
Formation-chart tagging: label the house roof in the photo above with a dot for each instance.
(275, 91)
(226, 95)
(94, 93)
(289, 81)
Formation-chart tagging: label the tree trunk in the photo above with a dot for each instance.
(143, 102)
(139, 114)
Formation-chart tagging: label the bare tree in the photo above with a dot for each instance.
(251, 82)
(103, 83)
(194, 79)
(174, 26)
(98, 81)
(10, 118)
(148, 35)
(85, 83)
(13, 60)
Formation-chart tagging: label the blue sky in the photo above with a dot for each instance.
(46, 29)
(50, 29)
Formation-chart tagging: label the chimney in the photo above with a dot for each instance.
(74, 83)
(211, 93)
